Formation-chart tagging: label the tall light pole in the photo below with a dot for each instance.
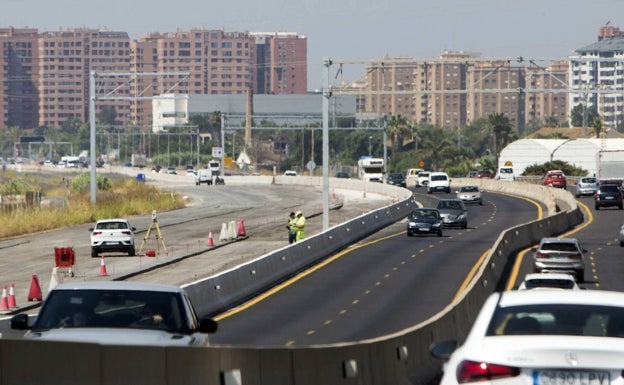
(370, 145)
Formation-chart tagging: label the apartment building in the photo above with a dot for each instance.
(55, 67)
(281, 63)
(596, 74)
(458, 88)
(546, 100)
(19, 98)
(66, 59)
(494, 87)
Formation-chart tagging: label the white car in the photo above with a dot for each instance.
(112, 235)
(290, 173)
(549, 281)
(470, 194)
(118, 313)
(439, 182)
(541, 337)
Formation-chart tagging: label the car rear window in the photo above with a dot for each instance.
(609, 188)
(559, 246)
(551, 283)
(558, 319)
(588, 180)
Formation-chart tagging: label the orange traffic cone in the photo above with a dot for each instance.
(5, 300)
(364, 194)
(34, 294)
(12, 302)
(102, 266)
(210, 239)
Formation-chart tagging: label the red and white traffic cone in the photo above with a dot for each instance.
(210, 241)
(5, 301)
(102, 266)
(12, 301)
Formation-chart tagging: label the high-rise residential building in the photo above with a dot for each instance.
(390, 85)
(596, 74)
(281, 63)
(546, 100)
(506, 97)
(66, 59)
(18, 76)
(458, 88)
(46, 75)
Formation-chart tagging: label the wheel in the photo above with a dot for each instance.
(580, 276)
(620, 207)
(597, 207)
(131, 251)
(409, 234)
(94, 252)
(440, 233)
(480, 203)
(621, 243)
(465, 226)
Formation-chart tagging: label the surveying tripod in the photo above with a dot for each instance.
(158, 235)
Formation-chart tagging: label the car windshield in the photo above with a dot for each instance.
(419, 214)
(506, 170)
(558, 319)
(469, 189)
(112, 309)
(437, 177)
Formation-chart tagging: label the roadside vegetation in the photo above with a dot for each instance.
(67, 202)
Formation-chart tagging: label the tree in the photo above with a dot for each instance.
(398, 129)
(597, 126)
(576, 115)
(500, 128)
(433, 145)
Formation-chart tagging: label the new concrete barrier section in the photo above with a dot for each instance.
(401, 358)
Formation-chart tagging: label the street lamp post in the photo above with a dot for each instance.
(370, 146)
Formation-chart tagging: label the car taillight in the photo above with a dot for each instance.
(575, 256)
(471, 371)
(96, 233)
(539, 254)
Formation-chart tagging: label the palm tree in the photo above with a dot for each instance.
(398, 129)
(433, 144)
(500, 128)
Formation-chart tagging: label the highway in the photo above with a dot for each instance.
(386, 283)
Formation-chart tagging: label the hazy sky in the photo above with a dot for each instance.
(349, 29)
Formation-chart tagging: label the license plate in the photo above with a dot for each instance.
(565, 377)
(112, 243)
(423, 229)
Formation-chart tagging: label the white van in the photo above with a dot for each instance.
(439, 181)
(411, 176)
(505, 173)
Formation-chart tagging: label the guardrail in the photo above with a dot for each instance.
(401, 358)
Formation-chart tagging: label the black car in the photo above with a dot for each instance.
(424, 221)
(608, 195)
(396, 179)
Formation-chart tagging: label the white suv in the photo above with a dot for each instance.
(112, 235)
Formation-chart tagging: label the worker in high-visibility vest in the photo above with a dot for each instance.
(299, 226)
(291, 231)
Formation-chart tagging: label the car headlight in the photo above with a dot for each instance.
(411, 224)
(436, 224)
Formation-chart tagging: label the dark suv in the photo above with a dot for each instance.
(608, 195)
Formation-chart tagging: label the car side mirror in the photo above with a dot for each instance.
(208, 325)
(90, 229)
(19, 321)
(443, 349)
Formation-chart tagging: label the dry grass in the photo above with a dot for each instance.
(125, 197)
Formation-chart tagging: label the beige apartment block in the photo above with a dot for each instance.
(544, 108)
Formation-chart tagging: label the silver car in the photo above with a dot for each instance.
(453, 212)
(622, 235)
(586, 186)
(560, 255)
(470, 194)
